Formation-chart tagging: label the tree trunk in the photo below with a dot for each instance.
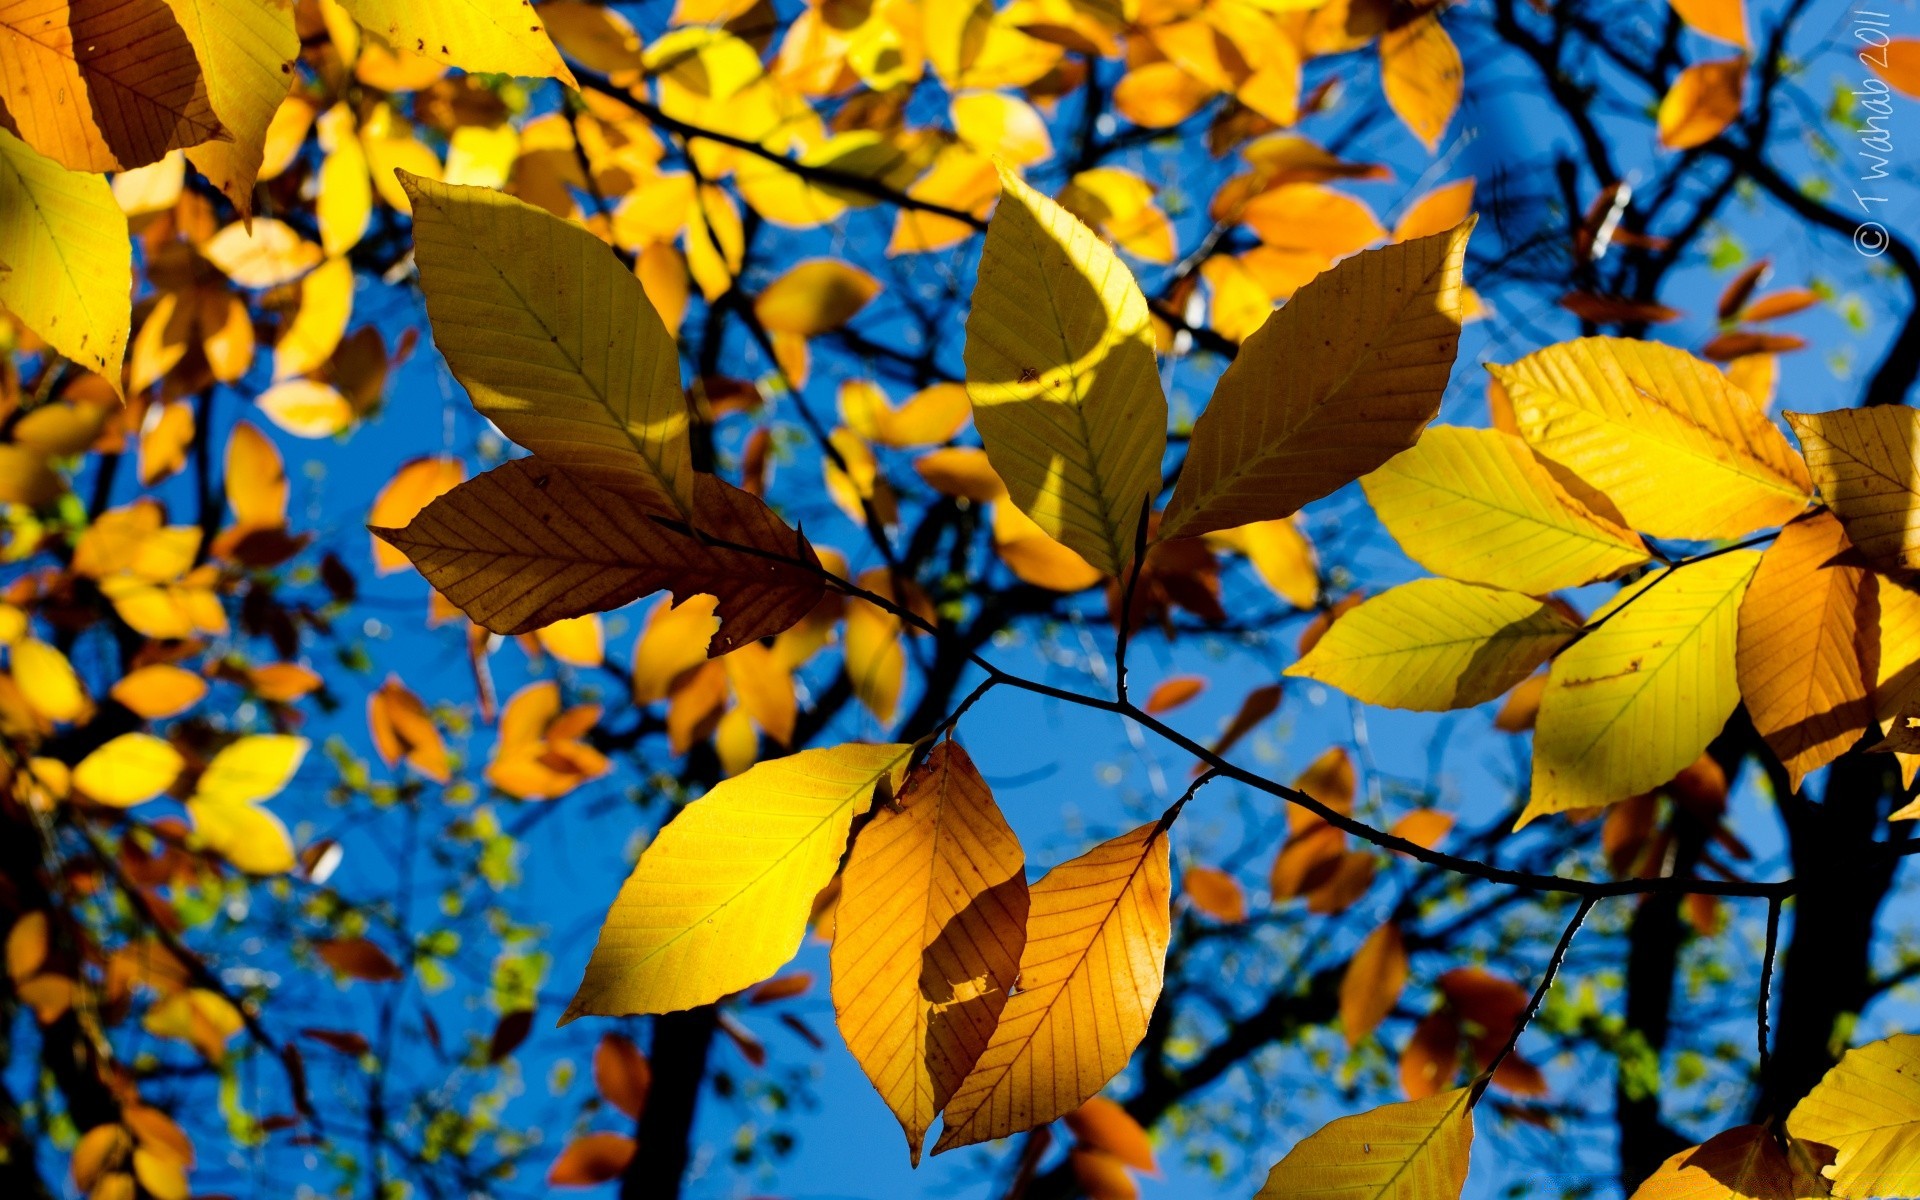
(678, 1056)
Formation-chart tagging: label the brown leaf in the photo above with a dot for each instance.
(621, 1074)
(358, 958)
(529, 543)
(590, 1159)
(511, 1031)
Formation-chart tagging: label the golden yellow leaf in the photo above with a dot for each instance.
(1375, 336)
(1638, 698)
(48, 682)
(554, 339)
(527, 544)
(720, 899)
(481, 36)
(102, 85)
(1868, 1109)
(345, 199)
(1097, 933)
(961, 471)
(249, 837)
(1036, 558)
(131, 769)
(1801, 625)
(326, 302)
(1415, 1150)
(931, 415)
(1436, 211)
(306, 408)
(159, 690)
(1744, 1163)
(1722, 20)
(876, 661)
(1677, 449)
(1120, 205)
(1436, 644)
(266, 254)
(1281, 554)
(153, 188)
(1422, 76)
(27, 946)
(1371, 986)
(1060, 367)
(1103, 1125)
(815, 296)
(256, 479)
(596, 37)
(1704, 99)
(25, 477)
(576, 640)
(1477, 505)
(1314, 222)
(412, 488)
(673, 642)
(1215, 893)
(1002, 126)
(932, 919)
(247, 49)
(71, 274)
(252, 769)
(1867, 464)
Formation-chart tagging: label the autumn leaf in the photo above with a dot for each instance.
(1435, 644)
(1477, 505)
(1867, 464)
(1371, 986)
(1422, 76)
(1867, 1107)
(1744, 1163)
(1723, 20)
(592, 1158)
(720, 899)
(554, 339)
(931, 923)
(1663, 436)
(494, 36)
(246, 49)
(1704, 99)
(528, 544)
(70, 272)
(1415, 1150)
(1097, 933)
(814, 297)
(1644, 690)
(1275, 437)
(1065, 392)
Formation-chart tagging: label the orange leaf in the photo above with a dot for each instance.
(592, 1158)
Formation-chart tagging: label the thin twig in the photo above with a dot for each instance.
(1479, 1087)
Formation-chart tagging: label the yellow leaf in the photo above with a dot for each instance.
(159, 690)
(254, 768)
(1436, 212)
(1436, 644)
(931, 415)
(1281, 555)
(1638, 698)
(1416, 1150)
(1722, 20)
(249, 837)
(1868, 1109)
(72, 266)
(1801, 625)
(1003, 126)
(1422, 76)
(1867, 464)
(247, 49)
(673, 642)
(1036, 558)
(306, 408)
(153, 188)
(131, 769)
(720, 900)
(480, 36)
(1215, 893)
(1477, 505)
(1311, 220)
(815, 296)
(576, 640)
(1375, 335)
(1744, 1163)
(596, 37)
(27, 946)
(267, 255)
(527, 544)
(345, 199)
(412, 488)
(102, 85)
(1097, 931)
(1111, 1129)
(932, 919)
(1120, 205)
(1677, 449)
(554, 339)
(49, 683)
(1060, 367)
(1704, 99)
(1371, 986)
(256, 479)
(25, 477)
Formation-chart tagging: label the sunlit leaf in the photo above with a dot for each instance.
(131, 769)
(64, 241)
(1416, 1150)
(1867, 463)
(1868, 1109)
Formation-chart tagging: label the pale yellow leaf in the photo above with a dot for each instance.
(1801, 628)
(267, 254)
(931, 922)
(1477, 505)
(1060, 367)
(554, 339)
(1334, 384)
(1867, 463)
(1679, 451)
(249, 837)
(1868, 1109)
(1436, 644)
(306, 408)
(1638, 698)
(71, 268)
(1415, 1150)
(247, 50)
(1097, 933)
(720, 900)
